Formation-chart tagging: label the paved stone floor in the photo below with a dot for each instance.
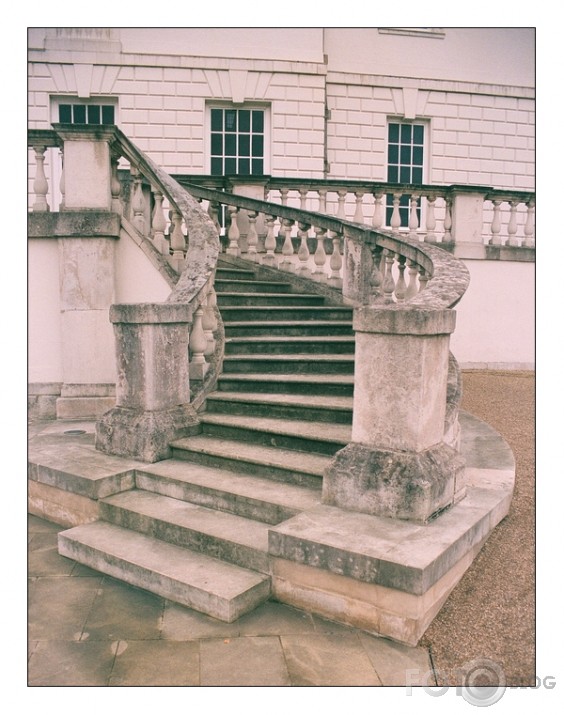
(87, 629)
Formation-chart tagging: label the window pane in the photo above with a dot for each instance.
(418, 155)
(217, 144)
(108, 114)
(393, 133)
(258, 145)
(418, 134)
(79, 114)
(417, 175)
(217, 167)
(258, 166)
(244, 120)
(405, 155)
(244, 167)
(405, 175)
(406, 133)
(244, 145)
(230, 120)
(230, 144)
(393, 174)
(230, 166)
(393, 154)
(217, 120)
(258, 120)
(93, 114)
(65, 114)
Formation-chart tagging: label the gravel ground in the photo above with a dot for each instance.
(491, 613)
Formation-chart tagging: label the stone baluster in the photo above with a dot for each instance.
(284, 201)
(320, 257)
(209, 324)
(448, 220)
(233, 232)
(430, 220)
(395, 221)
(138, 202)
(358, 214)
(177, 241)
(512, 239)
(269, 258)
(213, 213)
(388, 284)
(303, 199)
(252, 236)
(401, 286)
(376, 275)
(287, 248)
(115, 184)
(378, 216)
(423, 278)
(529, 240)
(198, 346)
(159, 224)
(342, 196)
(412, 288)
(495, 240)
(413, 220)
(40, 185)
(303, 251)
(322, 209)
(62, 182)
(335, 262)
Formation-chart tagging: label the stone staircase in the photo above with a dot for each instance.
(195, 528)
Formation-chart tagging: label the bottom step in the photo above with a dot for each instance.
(201, 582)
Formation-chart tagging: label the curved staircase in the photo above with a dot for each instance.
(195, 527)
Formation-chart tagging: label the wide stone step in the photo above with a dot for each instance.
(245, 313)
(224, 536)
(319, 408)
(294, 364)
(237, 274)
(297, 328)
(279, 344)
(283, 465)
(231, 285)
(268, 299)
(208, 585)
(252, 497)
(306, 384)
(317, 437)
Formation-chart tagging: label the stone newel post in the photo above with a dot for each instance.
(397, 464)
(152, 390)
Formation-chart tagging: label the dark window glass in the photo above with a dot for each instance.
(245, 144)
(393, 133)
(417, 175)
(217, 167)
(393, 174)
(244, 166)
(217, 120)
(230, 166)
(405, 175)
(258, 145)
(65, 113)
(258, 166)
(258, 121)
(108, 114)
(244, 120)
(405, 154)
(406, 133)
(418, 134)
(93, 114)
(230, 144)
(217, 144)
(79, 114)
(418, 155)
(230, 120)
(393, 155)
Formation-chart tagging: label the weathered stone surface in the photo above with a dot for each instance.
(142, 434)
(399, 485)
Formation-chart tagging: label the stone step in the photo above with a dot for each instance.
(319, 408)
(277, 344)
(293, 364)
(237, 274)
(224, 536)
(282, 465)
(268, 299)
(317, 437)
(218, 589)
(297, 328)
(252, 497)
(245, 313)
(336, 385)
(251, 285)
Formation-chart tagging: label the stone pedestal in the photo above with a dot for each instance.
(397, 464)
(467, 222)
(152, 390)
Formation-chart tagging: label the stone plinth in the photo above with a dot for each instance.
(397, 464)
(152, 389)
(467, 221)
